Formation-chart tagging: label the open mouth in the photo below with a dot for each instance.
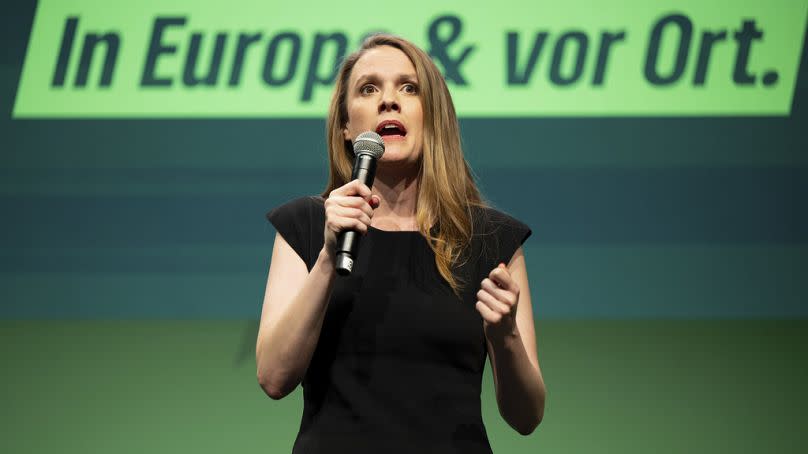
(391, 129)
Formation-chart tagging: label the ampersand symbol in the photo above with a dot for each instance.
(439, 45)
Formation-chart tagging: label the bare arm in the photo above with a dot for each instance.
(511, 337)
(291, 318)
(296, 299)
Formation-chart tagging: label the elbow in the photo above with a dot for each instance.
(527, 429)
(273, 389)
(529, 425)
(525, 432)
(274, 393)
(275, 380)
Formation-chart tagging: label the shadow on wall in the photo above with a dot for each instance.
(246, 349)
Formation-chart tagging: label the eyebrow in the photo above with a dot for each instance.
(374, 77)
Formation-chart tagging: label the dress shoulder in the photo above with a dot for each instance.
(501, 233)
(300, 222)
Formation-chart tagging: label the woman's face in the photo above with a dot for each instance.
(383, 96)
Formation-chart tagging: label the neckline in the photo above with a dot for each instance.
(321, 199)
(370, 227)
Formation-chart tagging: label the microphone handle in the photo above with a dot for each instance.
(348, 240)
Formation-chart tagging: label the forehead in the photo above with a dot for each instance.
(382, 60)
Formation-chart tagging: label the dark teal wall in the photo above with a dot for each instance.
(632, 217)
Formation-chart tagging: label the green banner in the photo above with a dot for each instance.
(512, 58)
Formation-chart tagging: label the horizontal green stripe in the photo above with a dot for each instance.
(634, 387)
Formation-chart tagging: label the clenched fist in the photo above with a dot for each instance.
(496, 302)
(350, 206)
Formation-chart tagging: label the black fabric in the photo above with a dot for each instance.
(399, 362)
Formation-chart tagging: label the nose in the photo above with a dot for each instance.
(389, 102)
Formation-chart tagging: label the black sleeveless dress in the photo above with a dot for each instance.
(399, 362)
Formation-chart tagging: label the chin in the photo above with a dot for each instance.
(393, 153)
(392, 159)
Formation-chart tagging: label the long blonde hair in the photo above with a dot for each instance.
(446, 188)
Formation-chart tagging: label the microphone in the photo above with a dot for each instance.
(368, 148)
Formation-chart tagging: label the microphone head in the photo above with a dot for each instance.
(369, 143)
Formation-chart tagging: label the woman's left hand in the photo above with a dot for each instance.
(496, 302)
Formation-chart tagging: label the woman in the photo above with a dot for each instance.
(391, 357)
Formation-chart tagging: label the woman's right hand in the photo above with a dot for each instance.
(349, 207)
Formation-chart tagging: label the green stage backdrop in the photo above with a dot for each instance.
(656, 149)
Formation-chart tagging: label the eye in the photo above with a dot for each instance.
(410, 88)
(367, 89)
